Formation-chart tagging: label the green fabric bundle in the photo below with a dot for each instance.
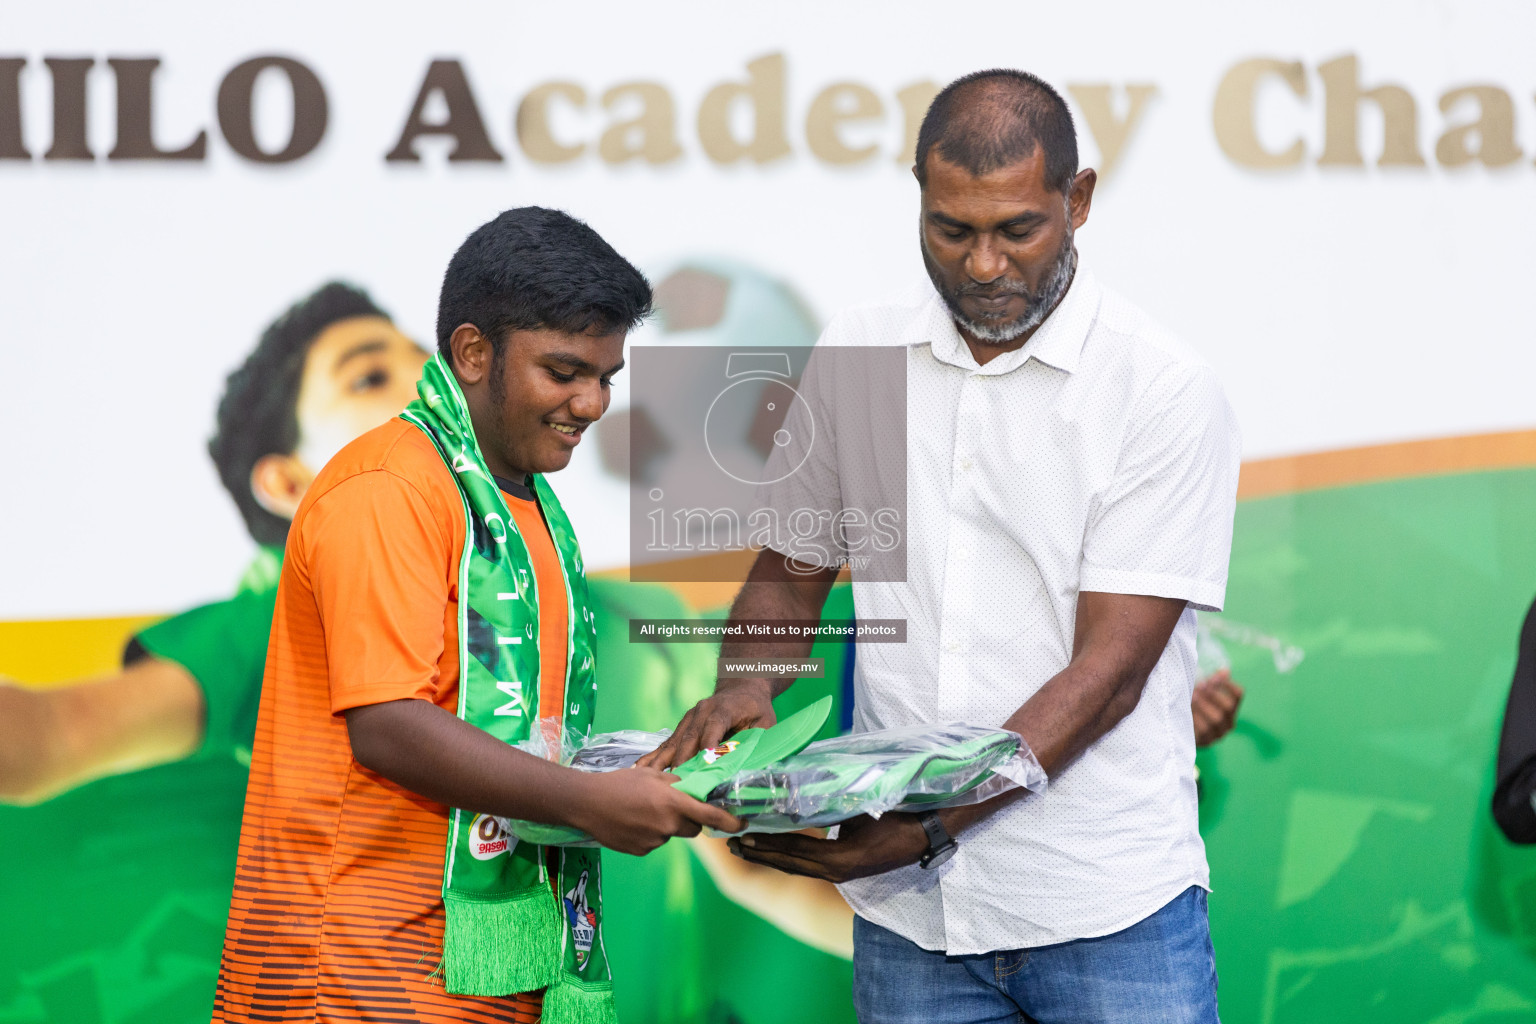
(906, 769)
(750, 750)
(743, 753)
(777, 783)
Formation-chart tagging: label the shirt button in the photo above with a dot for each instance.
(952, 646)
(966, 463)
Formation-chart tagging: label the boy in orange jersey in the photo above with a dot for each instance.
(432, 612)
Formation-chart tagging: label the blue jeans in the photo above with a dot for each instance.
(1158, 971)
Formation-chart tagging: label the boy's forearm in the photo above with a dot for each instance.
(418, 745)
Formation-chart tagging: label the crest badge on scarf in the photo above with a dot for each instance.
(582, 920)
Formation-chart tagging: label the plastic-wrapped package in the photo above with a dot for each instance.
(915, 768)
(747, 750)
(610, 751)
(541, 834)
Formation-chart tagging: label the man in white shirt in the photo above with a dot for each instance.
(1071, 473)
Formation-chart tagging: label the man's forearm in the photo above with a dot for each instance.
(1064, 717)
(1073, 709)
(1119, 641)
(760, 602)
(774, 592)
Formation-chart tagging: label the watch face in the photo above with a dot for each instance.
(940, 855)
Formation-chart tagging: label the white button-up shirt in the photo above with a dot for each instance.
(1102, 456)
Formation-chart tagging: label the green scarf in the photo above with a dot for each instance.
(518, 917)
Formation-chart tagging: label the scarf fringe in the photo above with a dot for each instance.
(502, 946)
(573, 1002)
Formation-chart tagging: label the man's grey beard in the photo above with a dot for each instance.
(1037, 306)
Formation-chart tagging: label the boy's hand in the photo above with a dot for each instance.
(636, 809)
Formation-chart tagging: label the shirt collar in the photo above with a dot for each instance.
(512, 487)
(1058, 342)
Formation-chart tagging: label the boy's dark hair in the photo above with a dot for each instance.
(258, 414)
(533, 268)
(990, 119)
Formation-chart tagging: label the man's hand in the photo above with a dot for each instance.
(635, 810)
(864, 846)
(735, 706)
(1215, 707)
(777, 587)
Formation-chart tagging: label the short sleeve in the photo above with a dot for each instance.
(803, 494)
(379, 563)
(1163, 526)
(839, 466)
(224, 648)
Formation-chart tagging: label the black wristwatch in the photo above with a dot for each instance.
(941, 845)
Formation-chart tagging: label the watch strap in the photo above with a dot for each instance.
(940, 843)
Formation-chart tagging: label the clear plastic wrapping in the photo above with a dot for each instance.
(914, 768)
(605, 752)
(610, 751)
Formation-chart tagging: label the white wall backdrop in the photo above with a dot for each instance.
(1343, 305)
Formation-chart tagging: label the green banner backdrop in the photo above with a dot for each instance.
(1357, 874)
